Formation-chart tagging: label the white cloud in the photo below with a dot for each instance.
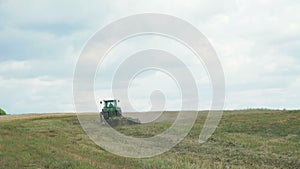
(36, 95)
(257, 42)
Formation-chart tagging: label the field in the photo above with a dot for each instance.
(244, 139)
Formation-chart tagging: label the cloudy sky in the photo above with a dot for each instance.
(257, 43)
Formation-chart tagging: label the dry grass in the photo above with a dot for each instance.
(244, 139)
(9, 118)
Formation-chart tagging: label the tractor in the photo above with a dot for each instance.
(110, 109)
(112, 114)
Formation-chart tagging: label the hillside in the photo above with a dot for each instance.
(244, 139)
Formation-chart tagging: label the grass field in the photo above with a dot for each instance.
(243, 139)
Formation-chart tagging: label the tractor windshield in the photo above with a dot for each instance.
(110, 104)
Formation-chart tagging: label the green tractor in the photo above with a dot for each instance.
(112, 114)
(110, 109)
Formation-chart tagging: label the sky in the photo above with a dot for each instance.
(257, 43)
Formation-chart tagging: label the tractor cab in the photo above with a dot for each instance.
(110, 103)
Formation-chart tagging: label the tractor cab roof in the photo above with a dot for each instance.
(109, 100)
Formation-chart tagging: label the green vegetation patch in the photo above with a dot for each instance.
(243, 139)
(2, 112)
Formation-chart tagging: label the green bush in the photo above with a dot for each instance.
(2, 112)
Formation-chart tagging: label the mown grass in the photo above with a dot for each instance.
(244, 139)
